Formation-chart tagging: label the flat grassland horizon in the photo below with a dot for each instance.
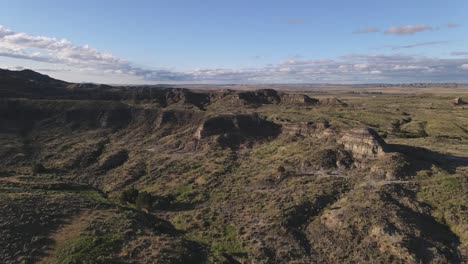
(416, 88)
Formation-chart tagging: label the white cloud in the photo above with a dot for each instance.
(64, 52)
(407, 30)
(85, 60)
(46, 49)
(409, 67)
(361, 66)
(419, 44)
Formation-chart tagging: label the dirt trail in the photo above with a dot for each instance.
(70, 230)
(13, 179)
(385, 182)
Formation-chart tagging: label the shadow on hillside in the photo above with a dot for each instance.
(429, 227)
(424, 158)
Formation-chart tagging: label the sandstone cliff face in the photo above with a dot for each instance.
(363, 143)
(298, 99)
(303, 128)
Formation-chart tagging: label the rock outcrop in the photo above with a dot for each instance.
(391, 167)
(303, 128)
(270, 96)
(298, 99)
(364, 143)
(262, 96)
(458, 101)
(185, 96)
(245, 126)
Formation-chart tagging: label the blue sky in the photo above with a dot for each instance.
(237, 41)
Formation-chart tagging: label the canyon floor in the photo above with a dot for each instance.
(101, 174)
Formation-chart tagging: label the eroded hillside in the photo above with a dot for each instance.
(160, 175)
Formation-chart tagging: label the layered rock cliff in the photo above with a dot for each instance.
(363, 143)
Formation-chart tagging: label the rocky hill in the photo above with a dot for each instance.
(101, 174)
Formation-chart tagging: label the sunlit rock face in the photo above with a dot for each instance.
(363, 143)
(457, 101)
(303, 128)
(297, 99)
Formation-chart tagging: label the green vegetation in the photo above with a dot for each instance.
(298, 197)
(144, 200)
(129, 195)
(221, 241)
(94, 196)
(90, 249)
(38, 168)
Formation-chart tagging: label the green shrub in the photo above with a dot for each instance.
(144, 200)
(395, 125)
(327, 158)
(38, 168)
(281, 169)
(129, 195)
(90, 249)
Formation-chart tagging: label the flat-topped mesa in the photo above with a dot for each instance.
(298, 99)
(270, 96)
(262, 96)
(364, 143)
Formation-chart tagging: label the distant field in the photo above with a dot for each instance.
(339, 89)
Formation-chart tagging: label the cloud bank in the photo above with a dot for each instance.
(407, 30)
(415, 45)
(459, 53)
(354, 68)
